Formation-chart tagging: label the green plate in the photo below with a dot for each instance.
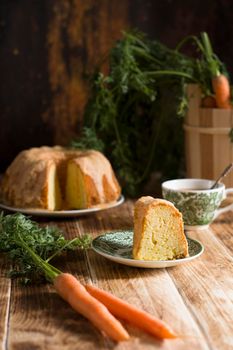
(117, 246)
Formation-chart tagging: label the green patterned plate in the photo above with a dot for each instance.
(117, 246)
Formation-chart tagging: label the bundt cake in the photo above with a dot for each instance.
(56, 178)
(158, 231)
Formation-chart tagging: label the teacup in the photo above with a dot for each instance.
(198, 203)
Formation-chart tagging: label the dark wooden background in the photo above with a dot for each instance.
(49, 47)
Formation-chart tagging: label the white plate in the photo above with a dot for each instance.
(64, 213)
(117, 246)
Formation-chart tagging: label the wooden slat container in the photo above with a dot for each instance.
(207, 142)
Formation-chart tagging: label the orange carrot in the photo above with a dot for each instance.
(221, 88)
(220, 83)
(70, 289)
(133, 315)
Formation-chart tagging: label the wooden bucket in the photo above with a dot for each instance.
(208, 146)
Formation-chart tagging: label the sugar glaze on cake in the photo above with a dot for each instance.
(56, 178)
(158, 230)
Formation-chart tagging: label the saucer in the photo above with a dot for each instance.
(117, 246)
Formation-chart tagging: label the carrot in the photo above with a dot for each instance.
(221, 88)
(220, 83)
(71, 290)
(133, 315)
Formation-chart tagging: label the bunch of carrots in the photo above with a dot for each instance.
(98, 306)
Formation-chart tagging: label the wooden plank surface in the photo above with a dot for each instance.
(5, 298)
(194, 298)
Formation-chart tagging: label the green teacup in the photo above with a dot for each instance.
(196, 201)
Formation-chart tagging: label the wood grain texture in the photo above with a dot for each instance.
(5, 299)
(49, 49)
(206, 145)
(79, 35)
(195, 298)
(222, 145)
(210, 293)
(192, 139)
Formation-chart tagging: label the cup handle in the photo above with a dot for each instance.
(227, 207)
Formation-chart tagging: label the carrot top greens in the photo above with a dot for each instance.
(132, 112)
(31, 247)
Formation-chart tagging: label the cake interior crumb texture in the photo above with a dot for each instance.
(54, 197)
(158, 231)
(75, 193)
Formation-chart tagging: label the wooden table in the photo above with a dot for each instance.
(194, 298)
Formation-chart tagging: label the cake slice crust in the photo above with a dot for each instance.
(158, 231)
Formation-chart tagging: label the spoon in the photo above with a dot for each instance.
(223, 174)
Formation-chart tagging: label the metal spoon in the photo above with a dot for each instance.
(223, 174)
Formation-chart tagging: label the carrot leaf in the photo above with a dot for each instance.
(22, 239)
